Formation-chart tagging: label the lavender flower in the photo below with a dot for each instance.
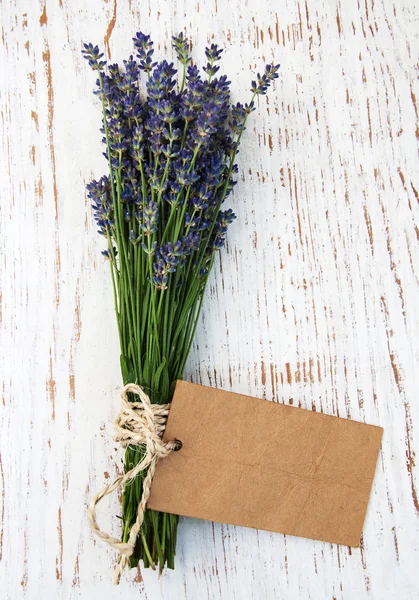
(110, 254)
(149, 218)
(224, 219)
(145, 51)
(94, 57)
(260, 86)
(99, 193)
(173, 151)
(180, 44)
(171, 157)
(213, 54)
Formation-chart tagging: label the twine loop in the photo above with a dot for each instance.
(138, 424)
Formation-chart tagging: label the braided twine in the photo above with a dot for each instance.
(138, 424)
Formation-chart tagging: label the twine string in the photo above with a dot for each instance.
(138, 423)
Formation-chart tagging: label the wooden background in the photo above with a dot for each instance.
(315, 302)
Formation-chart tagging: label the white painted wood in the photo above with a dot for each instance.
(317, 302)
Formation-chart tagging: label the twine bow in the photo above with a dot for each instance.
(138, 423)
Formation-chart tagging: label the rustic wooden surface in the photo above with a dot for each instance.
(314, 303)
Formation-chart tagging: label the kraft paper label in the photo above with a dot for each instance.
(261, 464)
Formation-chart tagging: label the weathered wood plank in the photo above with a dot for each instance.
(314, 303)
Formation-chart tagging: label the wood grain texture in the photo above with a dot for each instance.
(315, 302)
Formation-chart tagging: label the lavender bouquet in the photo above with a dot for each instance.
(171, 160)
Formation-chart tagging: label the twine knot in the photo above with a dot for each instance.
(138, 424)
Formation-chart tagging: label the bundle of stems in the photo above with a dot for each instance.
(171, 160)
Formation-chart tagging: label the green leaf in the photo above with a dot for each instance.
(164, 386)
(127, 370)
(124, 369)
(146, 370)
(157, 374)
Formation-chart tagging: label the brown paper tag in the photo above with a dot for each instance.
(261, 464)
